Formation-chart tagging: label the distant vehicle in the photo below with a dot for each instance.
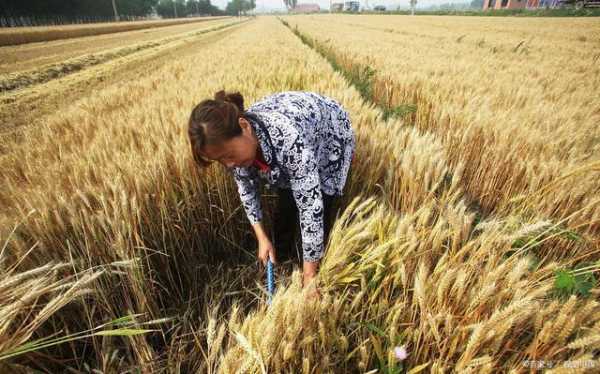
(579, 4)
(379, 8)
(351, 6)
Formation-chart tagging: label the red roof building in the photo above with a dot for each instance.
(307, 8)
(504, 4)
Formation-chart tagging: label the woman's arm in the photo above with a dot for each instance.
(265, 246)
(301, 165)
(309, 271)
(259, 231)
(248, 188)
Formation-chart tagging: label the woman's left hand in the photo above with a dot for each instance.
(312, 292)
(309, 270)
(309, 283)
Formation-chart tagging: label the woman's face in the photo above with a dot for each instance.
(235, 152)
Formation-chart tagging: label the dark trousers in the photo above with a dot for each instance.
(287, 236)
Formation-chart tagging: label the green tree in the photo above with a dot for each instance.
(290, 4)
(202, 7)
(413, 5)
(170, 9)
(73, 8)
(239, 7)
(135, 7)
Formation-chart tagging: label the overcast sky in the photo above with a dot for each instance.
(324, 4)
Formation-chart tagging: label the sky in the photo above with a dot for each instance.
(324, 4)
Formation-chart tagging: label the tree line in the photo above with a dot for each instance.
(108, 8)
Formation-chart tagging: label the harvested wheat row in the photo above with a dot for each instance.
(23, 35)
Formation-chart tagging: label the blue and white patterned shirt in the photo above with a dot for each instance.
(308, 142)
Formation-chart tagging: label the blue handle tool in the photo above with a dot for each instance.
(270, 281)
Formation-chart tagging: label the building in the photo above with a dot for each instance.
(337, 7)
(504, 4)
(532, 4)
(351, 6)
(524, 4)
(307, 8)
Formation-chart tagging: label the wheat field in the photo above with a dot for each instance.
(37, 34)
(469, 238)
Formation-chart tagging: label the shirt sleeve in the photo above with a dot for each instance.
(302, 168)
(248, 188)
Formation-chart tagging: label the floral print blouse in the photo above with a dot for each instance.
(308, 143)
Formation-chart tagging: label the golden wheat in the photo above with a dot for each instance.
(22, 35)
(110, 181)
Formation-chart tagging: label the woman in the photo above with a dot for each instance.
(300, 142)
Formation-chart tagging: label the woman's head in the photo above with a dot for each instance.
(219, 131)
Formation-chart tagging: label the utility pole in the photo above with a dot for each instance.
(175, 7)
(197, 9)
(115, 10)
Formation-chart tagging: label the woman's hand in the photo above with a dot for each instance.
(265, 251)
(312, 293)
(265, 247)
(309, 271)
(309, 283)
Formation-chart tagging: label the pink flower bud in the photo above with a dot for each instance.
(401, 353)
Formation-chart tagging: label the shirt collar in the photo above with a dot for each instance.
(262, 138)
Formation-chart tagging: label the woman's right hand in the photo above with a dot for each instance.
(265, 251)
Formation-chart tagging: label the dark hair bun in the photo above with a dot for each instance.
(235, 98)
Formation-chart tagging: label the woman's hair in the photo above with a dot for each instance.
(214, 121)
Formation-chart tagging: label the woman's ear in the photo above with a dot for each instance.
(244, 124)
